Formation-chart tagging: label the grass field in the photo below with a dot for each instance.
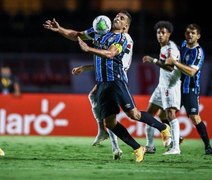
(55, 158)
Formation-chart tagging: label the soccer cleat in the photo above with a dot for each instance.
(208, 150)
(139, 153)
(150, 150)
(166, 136)
(117, 154)
(100, 137)
(2, 152)
(172, 151)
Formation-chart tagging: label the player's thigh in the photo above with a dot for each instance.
(124, 98)
(191, 103)
(106, 100)
(171, 97)
(155, 100)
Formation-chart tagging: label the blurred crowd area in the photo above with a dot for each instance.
(22, 31)
(42, 58)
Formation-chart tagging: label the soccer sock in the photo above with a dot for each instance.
(149, 136)
(201, 128)
(175, 132)
(113, 140)
(120, 131)
(151, 121)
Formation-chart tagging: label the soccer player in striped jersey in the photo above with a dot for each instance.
(166, 96)
(112, 88)
(192, 59)
(102, 132)
(91, 35)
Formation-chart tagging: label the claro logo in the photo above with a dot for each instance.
(139, 128)
(42, 123)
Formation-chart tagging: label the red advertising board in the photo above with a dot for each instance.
(71, 115)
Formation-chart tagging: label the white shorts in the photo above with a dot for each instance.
(167, 97)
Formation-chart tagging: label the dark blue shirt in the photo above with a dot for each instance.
(193, 57)
(109, 69)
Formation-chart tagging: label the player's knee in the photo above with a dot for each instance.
(195, 119)
(110, 122)
(134, 114)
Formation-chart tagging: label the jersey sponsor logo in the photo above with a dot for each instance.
(193, 109)
(127, 106)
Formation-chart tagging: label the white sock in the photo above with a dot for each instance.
(175, 132)
(150, 136)
(113, 140)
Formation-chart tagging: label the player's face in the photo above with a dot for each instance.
(5, 71)
(192, 37)
(163, 36)
(120, 22)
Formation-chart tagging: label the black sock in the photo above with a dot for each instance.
(203, 133)
(165, 121)
(120, 131)
(151, 121)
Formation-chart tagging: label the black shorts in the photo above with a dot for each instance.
(190, 102)
(113, 95)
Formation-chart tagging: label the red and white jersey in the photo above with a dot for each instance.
(127, 58)
(169, 79)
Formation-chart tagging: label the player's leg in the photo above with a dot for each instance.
(124, 135)
(175, 131)
(117, 152)
(108, 99)
(102, 133)
(202, 131)
(150, 147)
(191, 103)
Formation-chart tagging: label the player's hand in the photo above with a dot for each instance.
(83, 45)
(52, 25)
(147, 59)
(169, 61)
(77, 70)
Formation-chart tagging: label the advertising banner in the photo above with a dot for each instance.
(71, 115)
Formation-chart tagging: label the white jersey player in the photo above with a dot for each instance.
(167, 95)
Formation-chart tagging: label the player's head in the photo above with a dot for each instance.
(163, 30)
(192, 34)
(122, 21)
(5, 71)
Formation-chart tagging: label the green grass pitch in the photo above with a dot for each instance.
(58, 158)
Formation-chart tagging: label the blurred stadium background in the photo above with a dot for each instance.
(42, 61)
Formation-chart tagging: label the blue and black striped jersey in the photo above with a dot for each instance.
(109, 69)
(193, 57)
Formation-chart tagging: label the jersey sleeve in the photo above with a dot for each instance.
(199, 58)
(90, 33)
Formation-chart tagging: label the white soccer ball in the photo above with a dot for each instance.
(102, 24)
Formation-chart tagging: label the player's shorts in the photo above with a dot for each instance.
(191, 103)
(167, 97)
(113, 95)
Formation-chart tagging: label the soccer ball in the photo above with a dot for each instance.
(102, 24)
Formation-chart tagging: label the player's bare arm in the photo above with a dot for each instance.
(71, 34)
(80, 69)
(190, 71)
(159, 63)
(110, 53)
